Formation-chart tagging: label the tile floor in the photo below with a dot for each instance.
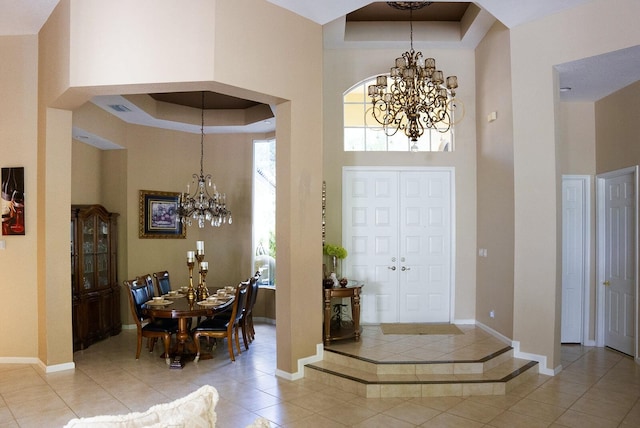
(597, 388)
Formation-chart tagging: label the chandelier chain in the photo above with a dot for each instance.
(202, 137)
(202, 206)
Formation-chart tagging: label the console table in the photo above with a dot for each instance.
(337, 331)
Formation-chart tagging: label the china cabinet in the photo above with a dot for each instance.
(95, 289)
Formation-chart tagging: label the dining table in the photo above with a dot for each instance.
(176, 305)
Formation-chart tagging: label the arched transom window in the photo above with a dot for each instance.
(362, 133)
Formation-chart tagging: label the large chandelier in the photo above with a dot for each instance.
(416, 98)
(202, 206)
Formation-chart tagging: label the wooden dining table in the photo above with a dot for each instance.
(181, 309)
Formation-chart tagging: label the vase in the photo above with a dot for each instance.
(336, 266)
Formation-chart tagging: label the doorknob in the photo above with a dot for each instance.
(606, 283)
(391, 267)
(405, 268)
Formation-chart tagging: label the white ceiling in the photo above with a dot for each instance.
(589, 78)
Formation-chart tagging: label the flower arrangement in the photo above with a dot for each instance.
(334, 251)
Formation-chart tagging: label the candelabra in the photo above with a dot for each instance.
(191, 262)
(203, 292)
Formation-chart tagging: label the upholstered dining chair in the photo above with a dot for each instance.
(248, 331)
(163, 282)
(154, 328)
(148, 281)
(221, 328)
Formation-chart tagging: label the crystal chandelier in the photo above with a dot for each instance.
(416, 98)
(201, 206)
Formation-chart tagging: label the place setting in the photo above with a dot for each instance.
(159, 301)
(212, 301)
(174, 294)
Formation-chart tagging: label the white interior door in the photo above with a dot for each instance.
(575, 256)
(397, 229)
(425, 246)
(370, 235)
(620, 262)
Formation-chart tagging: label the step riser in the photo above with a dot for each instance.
(428, 368)
(400, 390)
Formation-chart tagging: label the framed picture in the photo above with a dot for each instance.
(159, 215)
(12, 201)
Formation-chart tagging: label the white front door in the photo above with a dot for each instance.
(575, 256)
(397, 229)
(619, 262)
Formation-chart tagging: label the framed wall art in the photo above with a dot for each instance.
(12, 201)
(159, 215)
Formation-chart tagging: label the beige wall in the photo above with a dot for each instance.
(357, 65)
(18, 148)
(617, 128)
(494, 284)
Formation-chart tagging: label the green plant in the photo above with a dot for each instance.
(334, 250)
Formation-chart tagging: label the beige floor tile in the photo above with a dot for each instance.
(573, 419)
(88, 408)
(347, 414)
(447, 420)
(284, 413)
(317, 402)
(315, 421)
(499, 401)
(412, 413)
(377, 405)
(602, 409)
(602, 388)
(437, 403)
(475, 411)
(383, 421)
(554, 397)
(537, 409)
(510, 419)
(47, 418)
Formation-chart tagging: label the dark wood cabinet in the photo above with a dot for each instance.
(95, 289)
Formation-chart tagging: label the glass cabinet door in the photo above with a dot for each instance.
(102, 253)
(87, 259)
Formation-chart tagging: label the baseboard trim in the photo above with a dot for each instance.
(541, 359)
(301, 363)
(36, 361)
(494, 333)
(264, 320)
(515, 344)
(57, 367)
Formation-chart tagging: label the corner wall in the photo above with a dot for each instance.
(494, 289)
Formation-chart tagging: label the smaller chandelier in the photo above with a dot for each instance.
(202, 206)
(418, 96)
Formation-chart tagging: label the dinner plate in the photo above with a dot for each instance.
(225, 298)
(174, 296)
(205, 303)
(160, 303)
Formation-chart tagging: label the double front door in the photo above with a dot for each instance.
(397, 229)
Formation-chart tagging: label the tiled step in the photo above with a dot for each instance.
(494, 374)
(364, 364)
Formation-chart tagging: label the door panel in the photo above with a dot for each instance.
(424, 247)
(619, 263)
(397, 229)
(371, 217)
(574, 243)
